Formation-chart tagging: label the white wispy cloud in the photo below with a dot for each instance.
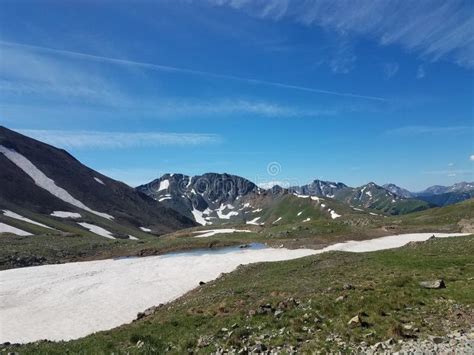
(117, 140)
(429, 130)
(343, 58)
(171, 108)
(390, 69)
(450, 173)
(420, 72)
(166, 68)
(471, 158)
(67, 81)
(435, 29)
(25, 72)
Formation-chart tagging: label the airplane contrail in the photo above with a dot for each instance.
(159, 67)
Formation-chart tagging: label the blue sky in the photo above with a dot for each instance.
(348, 91)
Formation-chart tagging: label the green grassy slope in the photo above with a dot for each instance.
(441, 218)
(232, 312)
(75, 243)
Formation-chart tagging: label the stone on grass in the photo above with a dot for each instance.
(434, 284)
(278, 313)
(355, 321)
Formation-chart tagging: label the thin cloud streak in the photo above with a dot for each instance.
(448, 172)
(119, 140)
(429, 130)
(158, 67)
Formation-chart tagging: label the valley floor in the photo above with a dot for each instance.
(48, 246)
(305, 304)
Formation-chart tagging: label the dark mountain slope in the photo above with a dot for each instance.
(97, 192)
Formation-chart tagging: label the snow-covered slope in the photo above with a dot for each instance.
(5, 228)
(397, 190)
(208, 199)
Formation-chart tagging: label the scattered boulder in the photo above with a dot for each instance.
(278, 313)
(140, 344)
(437, 340)
(148, 312)
(259, 348)
(201, 283)
(355, 321)
(347, 287)
(203, 341)
(288, 303)
(379, 347)
(341, 298)
(265, 309)
(435, 284)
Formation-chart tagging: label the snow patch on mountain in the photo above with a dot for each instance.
(97, 230)
(5, 228)
(24, 219)
(45, 182)
(212, 232)
(164, 184)
(222, 215)
(254, 222)
(301, 196)
(198, 217)
(334, 215)
(145, 229)
(65, 214)
(277, 220)
(99, 181)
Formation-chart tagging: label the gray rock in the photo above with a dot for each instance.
(435, 284)
(437, 340)
(355, 321)
(278, 313)
(203, 341)
(340, 298)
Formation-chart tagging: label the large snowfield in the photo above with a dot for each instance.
(69, 301)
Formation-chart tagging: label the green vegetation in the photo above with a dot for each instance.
(73, 243)
(446, 218)
(400, 207)
(306, 303)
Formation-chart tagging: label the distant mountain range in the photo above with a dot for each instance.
(222, 198)
(438, 195)
(38, 178)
